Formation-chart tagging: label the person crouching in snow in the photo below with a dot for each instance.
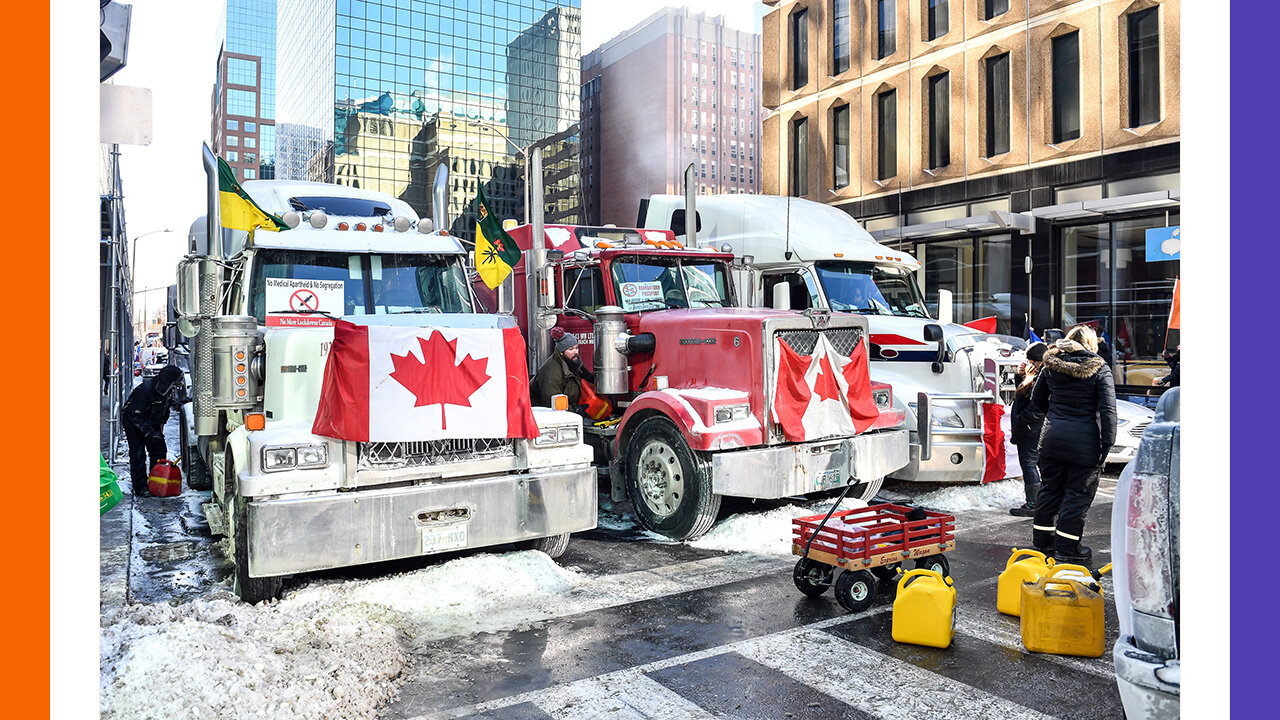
(1027, 421)
(143, 418)
(1077, 394)
(562, 373)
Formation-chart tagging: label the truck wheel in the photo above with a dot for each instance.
(855, 590)
(811, 577)
(198, 476)
(937, 563)
(252, 590)
(553, 546)
(668, 484)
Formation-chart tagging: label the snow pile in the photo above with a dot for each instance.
(998, 495)
(766, 533)
(328, 650)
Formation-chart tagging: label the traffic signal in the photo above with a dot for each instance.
(114, 37)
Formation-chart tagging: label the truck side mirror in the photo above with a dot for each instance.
(933, 333)
(782, 296)
(187, 300)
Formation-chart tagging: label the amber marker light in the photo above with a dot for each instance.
(343, 226)
(255, 421)
(361, 226)
(560, 402)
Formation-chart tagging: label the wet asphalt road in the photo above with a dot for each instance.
(757, 648)
(694, 633)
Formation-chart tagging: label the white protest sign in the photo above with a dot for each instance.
(641, 295)
(289, 301)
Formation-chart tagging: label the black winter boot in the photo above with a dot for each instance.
(1066, 550)
(1042, 540)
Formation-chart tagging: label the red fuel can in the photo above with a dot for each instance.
(165, 480)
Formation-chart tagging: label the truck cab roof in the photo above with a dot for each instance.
(766, 226)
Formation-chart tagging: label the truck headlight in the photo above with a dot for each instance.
(556, 436)
(729, 413)
(942, 416)
(298, 456)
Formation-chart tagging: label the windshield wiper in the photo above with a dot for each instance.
(430, 310)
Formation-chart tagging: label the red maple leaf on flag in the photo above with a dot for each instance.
(436, 379)
(824, 385)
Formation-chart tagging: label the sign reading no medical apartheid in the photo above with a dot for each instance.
(289, 301)
(641, 295)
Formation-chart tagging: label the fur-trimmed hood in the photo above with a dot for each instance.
(1071, 358)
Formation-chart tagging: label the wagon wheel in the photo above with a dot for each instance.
(886, 572)
(937, 563)
(812, 577)
(856, 590)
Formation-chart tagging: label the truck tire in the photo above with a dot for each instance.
(553, 546)
(198, 476)
(252, 590)
(668, 484)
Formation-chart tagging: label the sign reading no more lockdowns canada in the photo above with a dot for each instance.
(289, 301)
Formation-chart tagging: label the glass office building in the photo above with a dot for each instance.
(378, 94)
(244, 97)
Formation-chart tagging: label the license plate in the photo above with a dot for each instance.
(829, 479)
(438, 538)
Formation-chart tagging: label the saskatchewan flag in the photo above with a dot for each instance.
(496, 252)
(239, 211)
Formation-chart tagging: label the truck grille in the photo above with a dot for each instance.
(391, 455)
(843, 339)
(1140, 428)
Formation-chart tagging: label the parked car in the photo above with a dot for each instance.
(1132, 421)
(1145, 535)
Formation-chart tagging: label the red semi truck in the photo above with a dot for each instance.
(691, 378)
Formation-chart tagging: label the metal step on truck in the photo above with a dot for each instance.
(699, 387)
(808, 256)
(261, 311)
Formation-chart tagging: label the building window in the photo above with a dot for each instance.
(232, 156)
(840, 148)
(1144, 67)
(939, 22)
(250, 174)
(800, 157)
(940, 120)
(840, 30)
(994, 8)
(887, 128)
(1066, 87)
(998, 111)
(233, 140)
(800, 49)
(887, 16)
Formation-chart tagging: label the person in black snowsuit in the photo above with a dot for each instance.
(1026, 421)
(1077, 394)
(143, 418)
(1174, 359)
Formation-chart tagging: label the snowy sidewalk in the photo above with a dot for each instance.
(116, 530)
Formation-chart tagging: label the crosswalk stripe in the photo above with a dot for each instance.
(876, 683)
(628, 696)
(1006, 632)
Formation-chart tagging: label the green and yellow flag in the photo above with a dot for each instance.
(496, 253)
(239, 211)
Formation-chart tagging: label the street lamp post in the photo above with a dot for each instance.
(133, 269)
(524, 152)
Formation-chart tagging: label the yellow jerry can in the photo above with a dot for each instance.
(924, 613)
(1062, 615)
(1024, 566)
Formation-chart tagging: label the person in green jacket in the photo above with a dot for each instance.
(561, 374)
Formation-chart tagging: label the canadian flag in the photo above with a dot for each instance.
(823, 395)
(397, 384)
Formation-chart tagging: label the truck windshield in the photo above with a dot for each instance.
(653, 283)
(872, 289)
(286, 281)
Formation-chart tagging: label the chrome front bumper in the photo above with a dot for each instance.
(941, 466)
(775, 472)
(1142, 691)
(340, 529)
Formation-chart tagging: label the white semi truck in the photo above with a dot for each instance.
(803, 254)
(292, 501)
